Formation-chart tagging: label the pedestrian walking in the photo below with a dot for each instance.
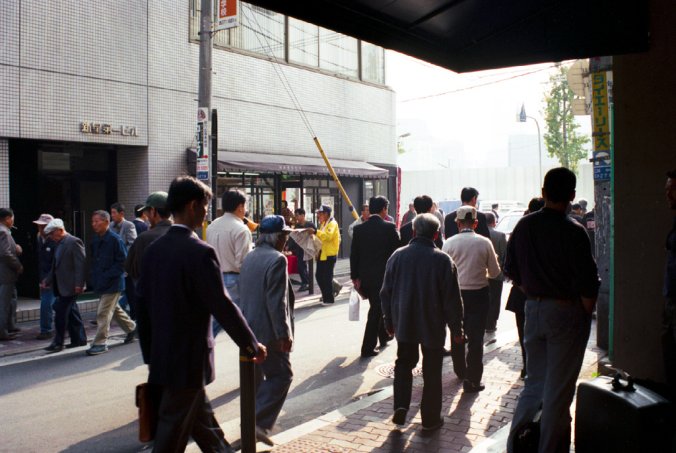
(329, 234)
(549, 258)
(128, 233)
(180, 289)
(108, 282)
(231, 239)
(420, 297)
(422, 204)
(46, 248)
(669, 292)
(363, 217)
(67, 279)
(408, 215)
(267, 305)
(374, 242)
(10, 269)
(301, 224)
(468, 197)
(499, 241)
(475, 259)
(140, 219)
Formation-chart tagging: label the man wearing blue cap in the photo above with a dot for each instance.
(267, 300)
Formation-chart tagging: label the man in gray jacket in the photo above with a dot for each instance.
(420, 297)
(267, 304)
(10, 269)
(67, 280)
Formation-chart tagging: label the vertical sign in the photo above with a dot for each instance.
(601, 123)
(202, 144)
(226, 14)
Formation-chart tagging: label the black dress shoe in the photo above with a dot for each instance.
(371, 353)
(399, 417)
(14, 330)
(471, 387)
(8, 337)
(54, 348)
(434, 426)
(72, 345)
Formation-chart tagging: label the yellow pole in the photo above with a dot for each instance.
(335, 178)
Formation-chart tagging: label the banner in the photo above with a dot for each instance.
(601, 121)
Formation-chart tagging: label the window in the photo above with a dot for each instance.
(338, 53)
(260, 31)
(372, 63)
(303, 42)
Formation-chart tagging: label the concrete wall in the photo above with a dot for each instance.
(645, 148)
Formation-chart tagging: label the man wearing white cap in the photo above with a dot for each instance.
(67, 279)
(475, 258)
(46, 249)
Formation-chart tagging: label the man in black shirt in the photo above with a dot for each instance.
(422, 204)
(549, 258)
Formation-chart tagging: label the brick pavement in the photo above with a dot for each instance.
(470, 419)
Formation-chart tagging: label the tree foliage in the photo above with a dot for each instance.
(561, 137)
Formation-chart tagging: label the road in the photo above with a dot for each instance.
(74, 403)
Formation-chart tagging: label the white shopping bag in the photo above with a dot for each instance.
(353, 307)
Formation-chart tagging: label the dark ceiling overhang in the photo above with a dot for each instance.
(470, 35)
(239, 161)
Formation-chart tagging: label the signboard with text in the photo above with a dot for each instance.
(226, 15)
(601, 132)
(202, 144)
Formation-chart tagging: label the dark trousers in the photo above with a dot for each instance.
(407, 358)
(67, 315)
(375, 326)
(302, 267)
(273, 379)
(324, 276)
(669, 344)
(185, 413)
(475, 303)
(520, 321)
(130, 293)
(495, 294)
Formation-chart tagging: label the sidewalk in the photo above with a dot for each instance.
(28, 316)
(473, 422)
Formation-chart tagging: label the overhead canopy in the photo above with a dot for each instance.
(469, 35)
(298, 165)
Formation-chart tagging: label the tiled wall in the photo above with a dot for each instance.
(115, 62)
(4, 173)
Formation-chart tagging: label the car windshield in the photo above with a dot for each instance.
(508, 222)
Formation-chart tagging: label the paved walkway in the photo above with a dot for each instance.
(473, 422)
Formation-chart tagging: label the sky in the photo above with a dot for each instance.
(465, 119)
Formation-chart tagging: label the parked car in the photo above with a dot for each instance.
(508, 221)
(504, 206)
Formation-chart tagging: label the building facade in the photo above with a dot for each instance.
(98, 104)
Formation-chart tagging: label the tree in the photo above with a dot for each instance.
(561, 139)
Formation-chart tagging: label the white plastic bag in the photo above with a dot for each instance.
(353, 307)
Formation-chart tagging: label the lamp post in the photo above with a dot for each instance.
(522, 118)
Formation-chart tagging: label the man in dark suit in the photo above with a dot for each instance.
(468, 197)
(179, 289)
(67, 279)
(374, 242)
(422, 204)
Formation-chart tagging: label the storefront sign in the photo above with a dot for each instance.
(202, 144)
(226, 15)
(92, 127)
(601, 122)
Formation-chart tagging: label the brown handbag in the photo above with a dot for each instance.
(147, 401)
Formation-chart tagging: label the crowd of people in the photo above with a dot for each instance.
(431, 274)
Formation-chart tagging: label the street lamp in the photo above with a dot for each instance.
(522, 119)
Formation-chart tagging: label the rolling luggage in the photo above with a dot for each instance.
(617, 415)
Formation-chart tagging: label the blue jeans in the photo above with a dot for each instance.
(555, 337)
(273, 379)
(46, 311)
(231, 283)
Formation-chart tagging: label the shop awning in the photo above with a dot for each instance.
(296, 165)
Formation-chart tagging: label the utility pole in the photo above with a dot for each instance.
(204, 91)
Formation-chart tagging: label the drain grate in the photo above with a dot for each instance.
(387, 371)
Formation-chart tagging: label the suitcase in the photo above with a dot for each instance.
(617, 415)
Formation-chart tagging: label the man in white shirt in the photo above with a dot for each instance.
(232, 240)
(475, 259)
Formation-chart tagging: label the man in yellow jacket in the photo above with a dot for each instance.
(329, 233)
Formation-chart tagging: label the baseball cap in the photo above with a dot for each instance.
(466, 213)
(157, 200)
(324, 208)
(273, 224)
(44, 219)
(56, 224)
